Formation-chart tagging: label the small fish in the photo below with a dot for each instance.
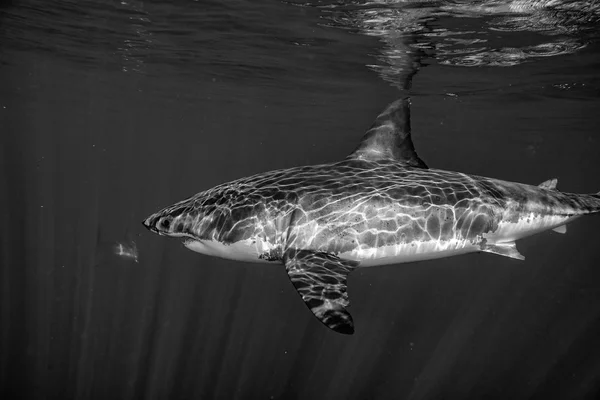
(125, 249)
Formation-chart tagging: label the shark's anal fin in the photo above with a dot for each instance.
(320, 279)
(389, 137)
(550, 184)
(560, 229)
(508, 249)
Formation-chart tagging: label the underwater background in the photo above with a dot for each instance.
(111, 110)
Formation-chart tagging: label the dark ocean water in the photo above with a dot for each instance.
(112, 110)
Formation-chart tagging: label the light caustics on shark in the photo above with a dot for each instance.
(381, 205)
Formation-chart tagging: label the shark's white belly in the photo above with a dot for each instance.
(409, 252)
(527, 225)
(244, 250)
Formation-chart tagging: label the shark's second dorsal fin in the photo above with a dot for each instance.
(389, 137)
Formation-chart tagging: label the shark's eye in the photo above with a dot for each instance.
(165, 223)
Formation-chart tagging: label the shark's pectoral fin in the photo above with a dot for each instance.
(508, 249)
(320, 279)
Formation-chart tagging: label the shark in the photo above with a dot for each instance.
(380, 205)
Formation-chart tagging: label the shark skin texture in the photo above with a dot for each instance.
(381, 205)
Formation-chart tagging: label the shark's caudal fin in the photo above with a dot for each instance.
(320, 278)
(389, 137)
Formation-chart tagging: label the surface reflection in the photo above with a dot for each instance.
(465, 33)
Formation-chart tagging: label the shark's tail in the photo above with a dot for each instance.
(574, 203)
(595, 206)
(579, 204)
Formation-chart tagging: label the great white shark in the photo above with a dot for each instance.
(381, 205)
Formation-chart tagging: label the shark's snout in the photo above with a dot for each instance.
(171, 222)
(158, 223)
(148, 223)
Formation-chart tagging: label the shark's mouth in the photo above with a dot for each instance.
(250, 250)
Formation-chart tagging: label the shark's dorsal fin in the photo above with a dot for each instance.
(389, 137)
(320, 279)
(550, 184)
